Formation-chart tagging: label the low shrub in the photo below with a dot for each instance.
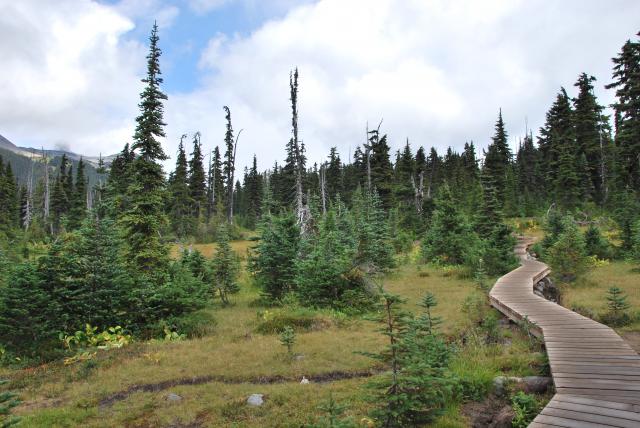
(525, 407)
(274, 321)
(584, 311)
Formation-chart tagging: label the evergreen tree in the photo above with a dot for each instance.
(529, 181)
(381, 168)
(567, 257)
(497, 254)
(225, 267)
(196, 180)
(215, 186)
(59, 196)
(497, 160)
(626, 81)
(28, 314)
(617, 306)
(94, 286)
(592, 138)
(323, 275)
(274, 260)
(8, 400)
(560, 153)
(334, 174)
(180, 201)
(253, 185)
(372, 230)
(596, 244)
(450, 239)
(419, 383)
(144, 216)
(78, 208)
(118, 180)
(404, 175)
(9, 199)
(626, 212)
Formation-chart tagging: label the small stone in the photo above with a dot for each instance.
(173, 397)
(499, 385)
(298, 357)
(255, 400)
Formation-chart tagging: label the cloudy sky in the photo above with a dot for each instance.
(437, 71)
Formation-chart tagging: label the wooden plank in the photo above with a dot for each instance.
(568, 423)
(611, 376)
(591, 402)
(589, 417)
(601, 384)
(596, 410)
(596, 373)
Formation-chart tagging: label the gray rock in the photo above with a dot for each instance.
(500, 384)
(255, 400)
(536, 384)
(173, 397)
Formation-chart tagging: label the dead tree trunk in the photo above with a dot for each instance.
(323, 188)
(46, 189)
(301, 210)
(233, 171)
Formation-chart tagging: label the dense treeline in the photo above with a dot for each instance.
(324, 228)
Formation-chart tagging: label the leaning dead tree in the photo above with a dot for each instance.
(418, 191)
(47, 194)
(323, 186)
(302, 211)
(28, 209)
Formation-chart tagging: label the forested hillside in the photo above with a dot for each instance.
(97, 258)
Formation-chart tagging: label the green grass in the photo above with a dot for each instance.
(590, 292)
(58, 395)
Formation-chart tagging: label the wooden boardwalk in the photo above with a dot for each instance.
(596, 374)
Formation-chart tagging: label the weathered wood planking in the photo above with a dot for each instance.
(595, 372)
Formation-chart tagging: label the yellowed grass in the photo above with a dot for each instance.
(591, 292)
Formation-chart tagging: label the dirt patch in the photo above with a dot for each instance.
(493, 412)
(633, 339)
(29, 406)
(199, 380)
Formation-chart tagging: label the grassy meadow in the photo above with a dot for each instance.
(215, 374)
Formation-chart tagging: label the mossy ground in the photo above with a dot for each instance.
(58, 395)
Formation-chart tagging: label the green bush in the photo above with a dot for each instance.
(567, 256)
(300, 319)
(194, 324)
(8, 401)
(596, 244)
(525, 407)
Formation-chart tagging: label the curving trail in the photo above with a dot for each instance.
(595, 372)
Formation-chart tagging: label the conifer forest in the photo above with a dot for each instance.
(149, 288)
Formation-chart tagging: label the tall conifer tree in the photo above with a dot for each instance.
(497, 160)
(144, 216)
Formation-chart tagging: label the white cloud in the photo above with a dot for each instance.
(437, 71)
(68, 77)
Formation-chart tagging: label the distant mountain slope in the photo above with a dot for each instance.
(23, 158)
